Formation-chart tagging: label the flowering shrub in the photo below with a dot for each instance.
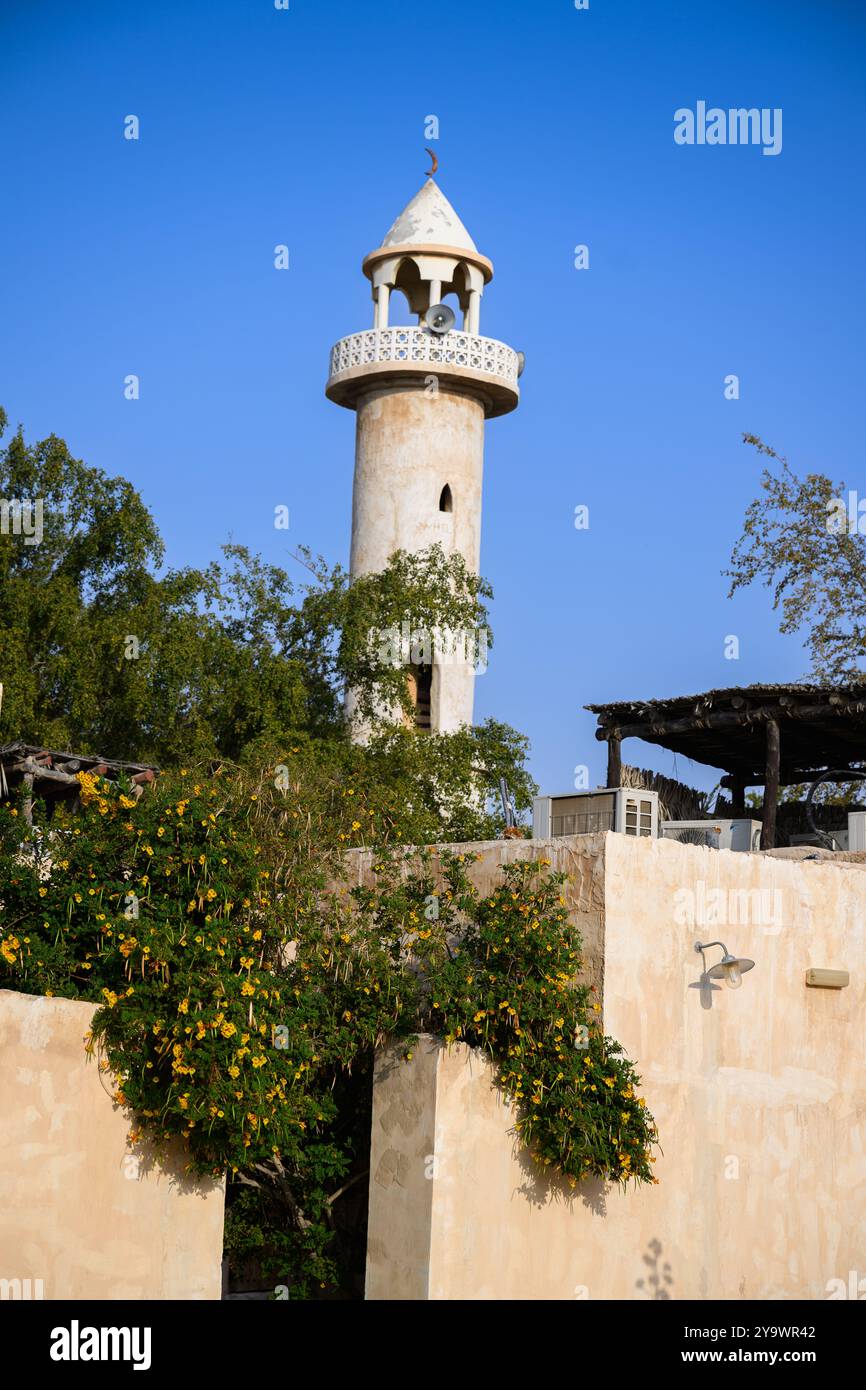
(243, 991)
(500, 973)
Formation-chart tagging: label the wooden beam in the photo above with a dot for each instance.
(729, 719)
(771, 787)
(35, 770)
(790, 777)
(614, 762)
(738, 796)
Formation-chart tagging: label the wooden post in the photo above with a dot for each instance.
(738, 796)
(614, 761)
(771, 787)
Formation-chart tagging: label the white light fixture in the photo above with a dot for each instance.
(730, 968)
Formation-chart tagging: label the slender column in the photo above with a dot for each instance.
(614, 761)
(380, 319)
(474, 314)
(771, 787)
(435, 292)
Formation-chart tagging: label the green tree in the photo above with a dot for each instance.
(796, 541)
(103, 649)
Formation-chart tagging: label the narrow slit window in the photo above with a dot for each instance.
(446, 502)
(420, 690)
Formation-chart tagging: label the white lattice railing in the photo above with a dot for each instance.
(410, 345)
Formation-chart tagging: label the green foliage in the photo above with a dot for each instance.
(817, 572)
(502, 975)
(229, 659)
(428, 591)
(243, 989)
(425, 787)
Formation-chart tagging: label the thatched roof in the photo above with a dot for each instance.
(820, 727)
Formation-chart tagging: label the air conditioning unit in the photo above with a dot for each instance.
(725, 833)
(628, 810)
(856, 830)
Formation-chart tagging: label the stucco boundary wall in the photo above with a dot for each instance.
(759, 1093)
(82, 1216)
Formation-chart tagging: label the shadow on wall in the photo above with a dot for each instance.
(658, 1282)
(147, 1158)
(540, 1186)
(707, 988)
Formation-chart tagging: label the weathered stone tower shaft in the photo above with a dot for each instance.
(422, 394)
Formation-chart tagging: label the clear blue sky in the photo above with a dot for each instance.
(306, 127)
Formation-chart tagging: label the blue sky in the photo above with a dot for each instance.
(306, 127)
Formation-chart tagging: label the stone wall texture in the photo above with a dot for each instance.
(79, 1213)
(759, 1093)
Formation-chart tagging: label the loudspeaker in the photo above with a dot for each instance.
(439, 318)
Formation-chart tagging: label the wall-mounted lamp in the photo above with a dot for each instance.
(730, 968)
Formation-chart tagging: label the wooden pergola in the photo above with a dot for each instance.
(50, 774)
(760, 735)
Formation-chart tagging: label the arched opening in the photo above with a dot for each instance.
(407, 284)
(446, 501)
(420, 681)
(460, 285)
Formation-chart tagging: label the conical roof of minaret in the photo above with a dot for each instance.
(429, 219)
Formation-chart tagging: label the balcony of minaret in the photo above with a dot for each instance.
(483, 367)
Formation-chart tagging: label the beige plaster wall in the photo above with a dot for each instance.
(77, 1211)
(760, 1100)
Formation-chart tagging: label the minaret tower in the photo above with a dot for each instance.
(422, 394)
